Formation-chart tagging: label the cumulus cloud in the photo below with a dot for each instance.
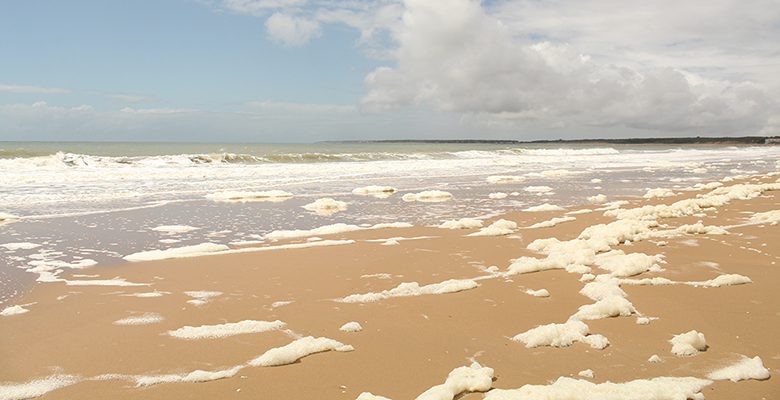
(32, 89)
(453, 57)
(291, 31)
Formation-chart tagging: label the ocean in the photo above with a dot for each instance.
(66, 206)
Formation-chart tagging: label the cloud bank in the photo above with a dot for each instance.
(453, 57)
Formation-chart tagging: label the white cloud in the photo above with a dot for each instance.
(453, 57)
(32, 89)
(730, 39)
(291, 31)
(296, 21)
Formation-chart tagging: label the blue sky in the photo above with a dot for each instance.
(311, 70)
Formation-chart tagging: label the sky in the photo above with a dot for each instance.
(320, 70)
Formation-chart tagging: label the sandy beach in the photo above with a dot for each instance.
(120, 331)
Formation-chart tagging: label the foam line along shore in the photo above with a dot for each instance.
(670, 293)
(67, 206)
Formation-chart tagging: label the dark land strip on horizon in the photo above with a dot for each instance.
(743, 140)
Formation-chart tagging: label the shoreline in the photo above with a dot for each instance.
(409, 343)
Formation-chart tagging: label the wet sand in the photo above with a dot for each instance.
(408, 344)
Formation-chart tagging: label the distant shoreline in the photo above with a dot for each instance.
(744, 140)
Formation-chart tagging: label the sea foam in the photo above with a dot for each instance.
(13, 310)
(296, 350)
(688, 344)
(561, 335)
(413, 289)
(177, 252)
(192, 377)
(225, 330)
(746, 368)
(661, 388)
(36, 388)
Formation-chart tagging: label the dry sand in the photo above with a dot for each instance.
(408, 344)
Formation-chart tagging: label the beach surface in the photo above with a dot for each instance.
(393, 310)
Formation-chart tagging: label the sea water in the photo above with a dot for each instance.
(71, 206)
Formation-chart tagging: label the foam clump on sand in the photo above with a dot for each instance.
(505, 179)
(769, 217)
(192, 377)
(225, 330)
(296, 350)
(661, 388)
(23, 246)
(746, 368)
(351, 327)
(620, 264)
(270, 195)
(177, 252)
(619, 231)
(588, 373)
(414, 289)
(561, 335)
(36, 388)
(145, 319)
(658, 192)
(497, 195)
(688, 344)
(610, 306)
(463, 223)
(13, 310)
(599, 290)
(474, 378)
(430, 196)
(552, 222)
(707, 186)
(574, 256)
(701, 229)
(688, 207)
(498, 228)
(538, 293)
(330, 230)
(174, 228)
(543, 207)
(326, 206)
(724, 280)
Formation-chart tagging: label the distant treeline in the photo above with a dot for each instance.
(673, 140)
(745, 140)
